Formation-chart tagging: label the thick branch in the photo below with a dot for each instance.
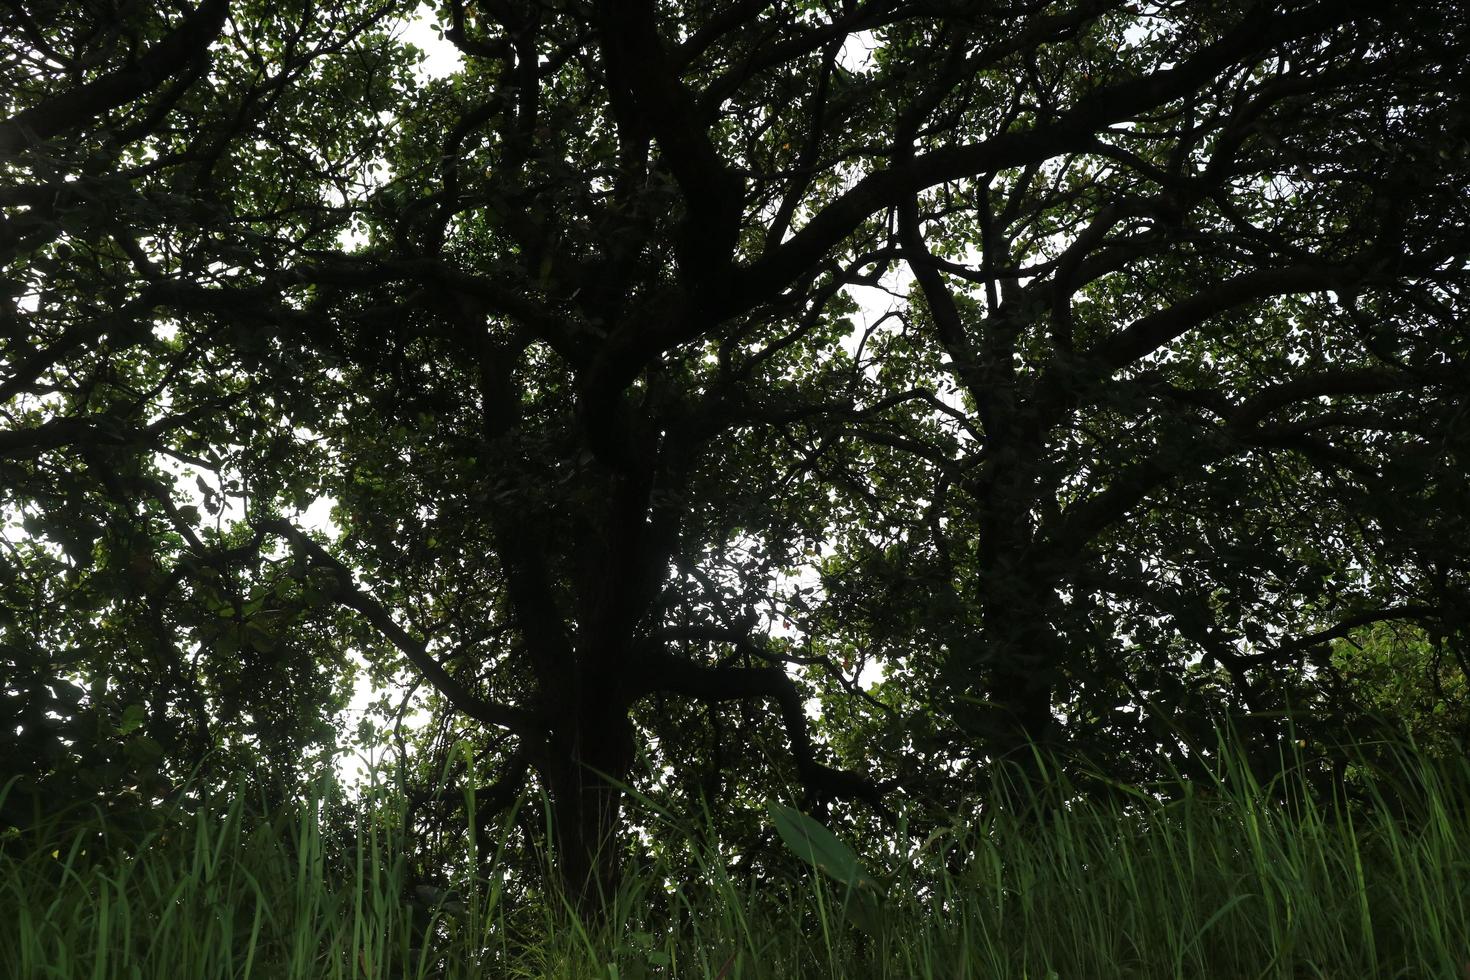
(75, 108)
(1074, 131)
(1082, 521)
(1148, 333)
(945, 312)
(675, 675)
(712, 192)
(1297, 645)
(348, 594)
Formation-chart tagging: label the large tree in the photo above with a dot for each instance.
(1211, 347)
(1170, 396)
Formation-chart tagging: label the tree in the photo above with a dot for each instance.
(129, 660)
(1207, 350)
(569, 336)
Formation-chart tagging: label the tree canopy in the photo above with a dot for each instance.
(1067, 375)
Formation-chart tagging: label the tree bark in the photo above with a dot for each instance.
(590, 759)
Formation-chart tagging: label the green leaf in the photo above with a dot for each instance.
(818, 846)
(142, 750)
(261, 640)
(133, 717)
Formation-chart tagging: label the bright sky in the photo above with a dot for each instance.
(441, 58)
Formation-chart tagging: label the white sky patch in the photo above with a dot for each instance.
(876, 302)
(318, 517)
(189, 482)
(857, 51)
(441, 58)
(356, 763)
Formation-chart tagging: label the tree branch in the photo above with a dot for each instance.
(519, 721)
(664, 672)
(77, 107)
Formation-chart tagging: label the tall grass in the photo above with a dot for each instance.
(1225, 880)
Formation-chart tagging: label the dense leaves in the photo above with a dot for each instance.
(1000, 379)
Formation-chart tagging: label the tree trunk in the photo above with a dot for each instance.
(1020, 646)
(1021, 650)
(589, 757)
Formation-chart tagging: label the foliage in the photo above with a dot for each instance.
(579, 346)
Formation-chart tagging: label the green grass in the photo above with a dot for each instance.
(1221, 882)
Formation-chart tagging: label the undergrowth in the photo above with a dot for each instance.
(1232, 879)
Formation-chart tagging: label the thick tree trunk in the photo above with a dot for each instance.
(1020, 646)
(1021, 650)
(589, 757)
